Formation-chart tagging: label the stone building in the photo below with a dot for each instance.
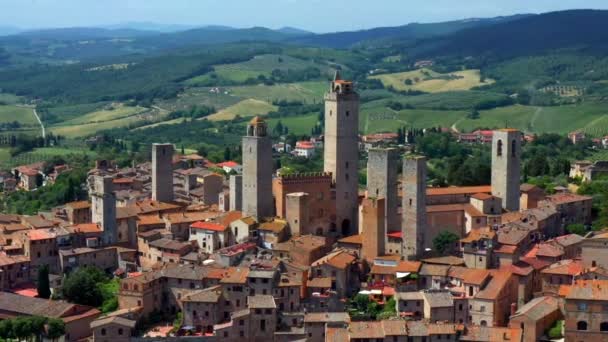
(506, 163)
(113, 328)
(257, 170)
(162, 172)
(585, 307)
(103, 208)
(342, 151)
(236, 193)
(414, 206)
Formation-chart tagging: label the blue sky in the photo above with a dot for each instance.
(314, 15)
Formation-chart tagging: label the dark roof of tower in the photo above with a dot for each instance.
(256, 121)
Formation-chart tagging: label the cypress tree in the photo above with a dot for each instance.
(44, 288)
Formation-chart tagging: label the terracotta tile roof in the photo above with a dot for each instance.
(336, 334)
(189, 216)
(506, 249)
(499, 280)
(113, 320)
(479, 234)
(326, 317)
(482, 196)
(445, 260)
(230, 217)
(324, 283)
(340, 259)
(438, 299)
(539, 308)
(520, 268)
(356, 239)
(261, 302)
(535, 263)
(567, 198)
(236, 275)
(168, 244)
(275, 226)
(569, 239)
(208, 226)
(565, 267)
(148, 220)
(529, 187)
(472, 211)
(41, 234)
(475, 276)
(208, 295)
(491, 334)
(434, 270)
(6, 260)
(402, 266)
(589, 290)
(249, 220)
(366, 330)
(459, 190)
(87, 228)
(28, 306)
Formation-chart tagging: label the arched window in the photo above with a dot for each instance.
(499, 148)
(581, 325)
(513, 148)
(483, 323)
(604, 326)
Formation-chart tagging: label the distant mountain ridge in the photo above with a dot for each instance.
(407, 32)
(573, 29)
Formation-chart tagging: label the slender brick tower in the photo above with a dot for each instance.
(162, 172)
(103, 208)
(382, 183)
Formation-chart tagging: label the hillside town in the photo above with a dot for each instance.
(264, 256)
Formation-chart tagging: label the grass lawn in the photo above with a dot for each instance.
(23, 115)
(433, 82)
(245, 108)
(299, 125)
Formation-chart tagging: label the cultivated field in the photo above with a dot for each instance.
(261, 65)
(245, 108)
(23, 115)
(300, 125)
(37, 155)
(432, 82)
(306, 92)
(9, 99)
(113, 112)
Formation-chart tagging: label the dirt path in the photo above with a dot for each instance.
(535, 117)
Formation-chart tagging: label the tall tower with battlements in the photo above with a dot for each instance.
(257, 171)
(506, 164)
(103, 207)
(162, 172)
(382, 164)
(342, 151)
(413, 227)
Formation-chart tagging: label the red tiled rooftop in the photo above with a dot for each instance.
(208, 226)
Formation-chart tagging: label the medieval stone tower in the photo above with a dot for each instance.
(342, 151)
(382, 183)
(257, 170)
(414, 207)
(374, 228)
(506, 152)
(103, 208)
(162, 172)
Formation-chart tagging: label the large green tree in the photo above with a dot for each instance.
(445, 241)
(82, 286)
